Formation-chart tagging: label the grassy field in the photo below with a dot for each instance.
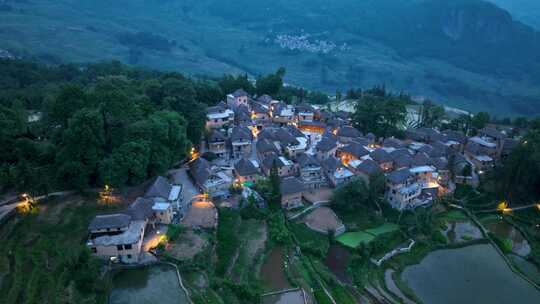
(44, 254)
(354, 239)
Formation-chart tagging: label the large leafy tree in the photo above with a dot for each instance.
(382, 115)
(82, 148)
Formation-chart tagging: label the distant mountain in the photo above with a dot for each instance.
(526, 11)
(465, 53)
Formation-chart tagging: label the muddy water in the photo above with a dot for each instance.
(461, 231)
(272, 272)
(472, 274)
(147, 285)
(502, 229)
(336, 260)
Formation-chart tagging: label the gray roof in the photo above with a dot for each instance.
(403, 161)
(369, 167)
(399, 153)
(109, 221)
(304, 107)
(492, 132)
(215, 109)
(269, 161)
(348, 131)
(200, 170)
(399, 176)
(294, 131)
(331, 164)
(241, 133)
(326, 144)
(217, 136)
(265, 145)
(241, 114)
(456, 136)
(420, 159)
(245, 167)
(393, 142)
(290, 185)
(140, 209)
(284, 137)
(239, 93)
(440, 163)
(356, 149)
(305, 160)
(473, 148)
(265, 98)
(259, 108)
(380, 156)
(160, 188)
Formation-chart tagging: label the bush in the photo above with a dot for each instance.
(277, 229)
(174, 231)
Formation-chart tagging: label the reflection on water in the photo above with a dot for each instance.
(461, 231)
(502, 229)
(156, 284)
(473, 274)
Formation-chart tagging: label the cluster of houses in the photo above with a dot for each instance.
(312, 149)
(120, 235)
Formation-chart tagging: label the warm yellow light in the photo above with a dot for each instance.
(502, 206)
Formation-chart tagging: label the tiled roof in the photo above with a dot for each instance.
(159, 188)
(245, 167)
(305, 160)
(110, 221)
(369, 167)
(217, 136)
(326, 144)
(356, 149)
(399, 176)
(240, 133)
(291, 185)
(140, 209)
(348, 131)
(380, 156)
(239, 93)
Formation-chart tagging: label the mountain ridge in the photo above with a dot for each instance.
(465, 53)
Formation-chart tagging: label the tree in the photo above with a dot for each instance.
(70, 99)
(82, 148)
(480, 120)
(431, 114)
(275, 193)
(381, 115)
(351, 196)
(270, 84)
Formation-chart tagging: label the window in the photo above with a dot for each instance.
(129, 256)
(93, 249)
(127, 247)
(119, 247)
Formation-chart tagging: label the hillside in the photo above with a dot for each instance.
(526, 11)
(466, 53)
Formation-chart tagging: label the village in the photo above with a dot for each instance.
(313, 152)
